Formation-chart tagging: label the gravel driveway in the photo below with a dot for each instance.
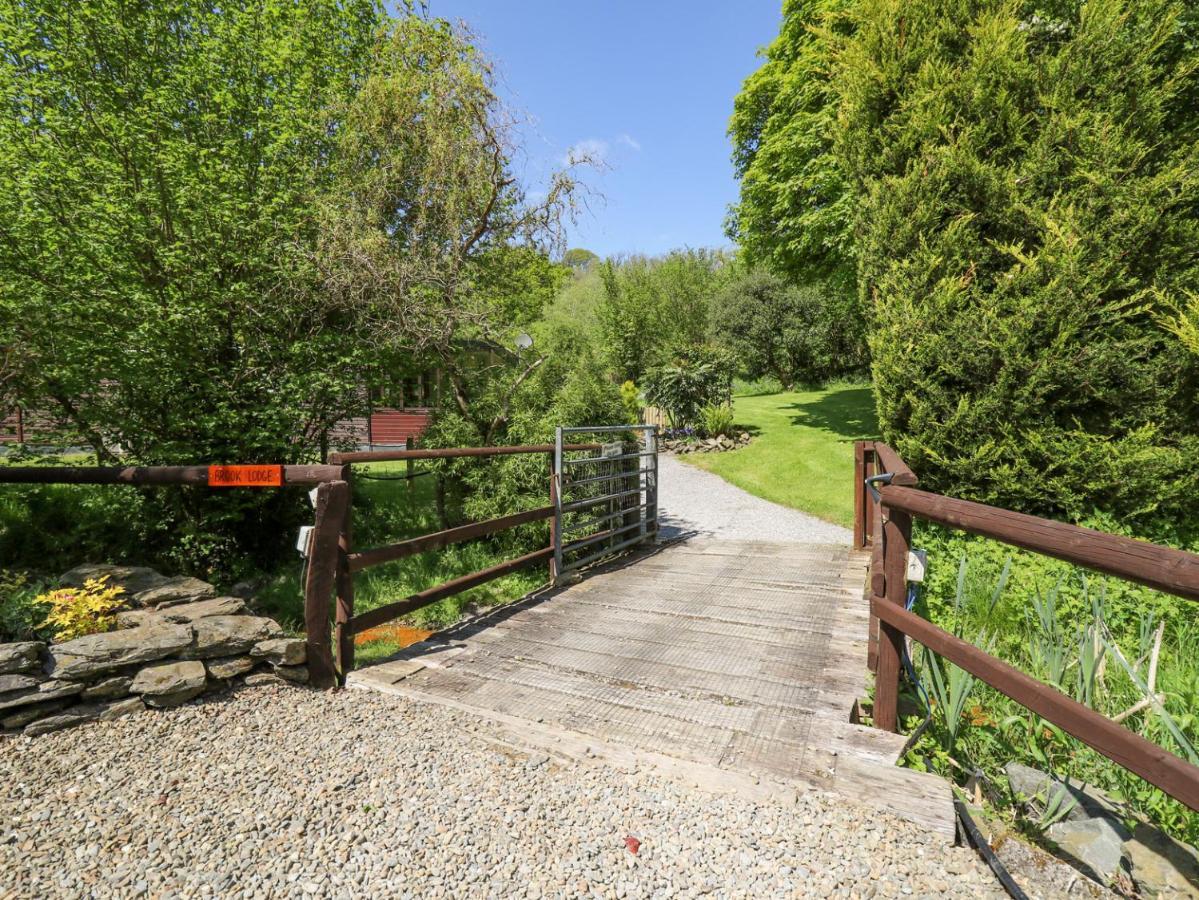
(693, 501)
(287, 792)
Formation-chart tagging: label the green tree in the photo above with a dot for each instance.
(158, 165)
(793, 333)
(652, 307)
(796, 209)
(580, 260)
(427, 235)
(1017, 184)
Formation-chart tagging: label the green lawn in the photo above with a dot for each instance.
(802, 452)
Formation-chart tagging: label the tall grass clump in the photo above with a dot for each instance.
(1123, 650)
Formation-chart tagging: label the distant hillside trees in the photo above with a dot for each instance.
(1016, 191)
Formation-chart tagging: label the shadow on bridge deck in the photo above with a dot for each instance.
(733, 664)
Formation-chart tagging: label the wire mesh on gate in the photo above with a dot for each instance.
(605, 500)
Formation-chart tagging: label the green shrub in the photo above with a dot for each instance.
(630, 396)
(1017, 187)
(716, 420)
(1029, 189)
(695, 378)
(795, 333)
(1068, 628)
(22, 617)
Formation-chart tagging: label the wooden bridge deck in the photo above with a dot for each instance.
(733, 664)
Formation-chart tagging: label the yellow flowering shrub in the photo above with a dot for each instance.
(75, 612)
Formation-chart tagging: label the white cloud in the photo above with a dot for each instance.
(629, 141)
(588, 149)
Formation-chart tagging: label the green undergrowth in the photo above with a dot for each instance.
(387, 509)
(1090, 636)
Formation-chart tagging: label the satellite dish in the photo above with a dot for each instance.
(523, 341)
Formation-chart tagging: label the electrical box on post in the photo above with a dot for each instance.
(304, 539)
(917, 564)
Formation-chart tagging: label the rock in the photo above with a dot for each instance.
(23, 656)
(136, 618)
(117, 686)
(1161, 866)
(282, 651)
(134, 579)
(169, 683)
(9, 683)
(202, 609)
(98, 654)
(122, 708)
(32, 713)
(47, 690)
(174, 591)
(1033, 784)
(294, 674)
(1096, 845)
(229, 635)
(67, 718)
(261, 678)
(743, 437)
(183, 612)
(229, 666)
(247, 589)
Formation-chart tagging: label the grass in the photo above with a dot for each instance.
(802, 452)
(1089, 636)
(386, 511)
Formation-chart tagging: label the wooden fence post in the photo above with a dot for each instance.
(410, 443)
(860, 508)
(896, 537)
(344, 641)
(553, 466)
(332, 502)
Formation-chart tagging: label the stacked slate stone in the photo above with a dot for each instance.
(176, 640)
(718, 444)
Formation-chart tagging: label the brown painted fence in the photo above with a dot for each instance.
(332, 559)
(884, 526)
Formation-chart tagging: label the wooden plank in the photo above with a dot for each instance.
(382, 614)
(148, 475)
(439, 539)
(1159, 767)
(367, 456)
(332, 501)
(890, 461)
(896, 537)
(1163, 568)
(344, 641)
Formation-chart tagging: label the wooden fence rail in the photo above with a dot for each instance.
(885, 501)
(332, 561)
(346, 562)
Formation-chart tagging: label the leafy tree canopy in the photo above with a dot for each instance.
(792, 333)
(1017, 187)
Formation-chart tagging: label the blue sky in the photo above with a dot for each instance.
(649, 85)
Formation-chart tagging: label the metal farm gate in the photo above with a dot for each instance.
(615, 487)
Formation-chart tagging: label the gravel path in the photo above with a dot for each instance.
(286, 792)
(695, 501)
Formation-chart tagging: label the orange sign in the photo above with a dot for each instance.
(245, 476)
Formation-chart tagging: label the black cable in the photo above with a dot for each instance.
(984, 849)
